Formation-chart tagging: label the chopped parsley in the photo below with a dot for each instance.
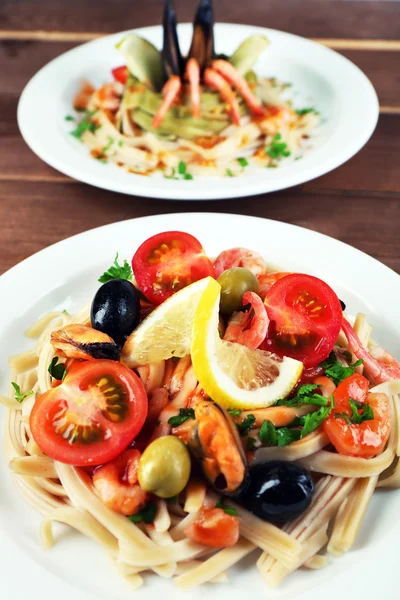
(243, 162)
(336, 371)
(57, 370)
(229, 510)
(147, 514)
(181, 174)
(357, 418)
(184, 415)
(120, 143)
(306, 111)
(85, 125)
(229, 173)
(20, 396)
(68, 118)
(277, 149)
(110, 142)
(245, 426)
(305, 395)
(251, 444)
(235, 413)
(117, 271)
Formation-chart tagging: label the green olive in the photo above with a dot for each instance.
(164, 467)
(234, 283)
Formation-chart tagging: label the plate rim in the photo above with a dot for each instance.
(241, 187)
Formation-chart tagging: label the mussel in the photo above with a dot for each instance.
(171, 54)
(214, 441)
(83, 342)
(202, 47)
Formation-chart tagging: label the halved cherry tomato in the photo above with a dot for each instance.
(120, 74)
(305, 316)
(92, 416)
(248, 327)
(214, 528)
(367, 439)
(168, 262)
(240, 257)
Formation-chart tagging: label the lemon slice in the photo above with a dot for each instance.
(231, 374)
(167, 330)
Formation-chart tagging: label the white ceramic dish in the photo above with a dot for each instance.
(320, 77)
(65, 276)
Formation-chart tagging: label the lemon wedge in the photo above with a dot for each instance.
(167, 331)
(230, 373)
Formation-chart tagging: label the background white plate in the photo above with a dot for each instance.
(320, 77)
(65, 276)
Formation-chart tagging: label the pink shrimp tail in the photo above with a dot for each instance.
(192, 75)
(170, 92)
(250, 327)
(377, 373)
(217, 82)
(233, 76)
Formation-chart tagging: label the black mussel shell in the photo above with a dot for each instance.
(202, 47)
(173, 63)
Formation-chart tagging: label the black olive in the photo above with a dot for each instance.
(278, 491)
(342, 304)
(116, 309)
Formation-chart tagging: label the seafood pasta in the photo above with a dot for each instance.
(204, 114)
(199, 410)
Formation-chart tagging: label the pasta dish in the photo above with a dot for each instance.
(199, 410)
(204, 114)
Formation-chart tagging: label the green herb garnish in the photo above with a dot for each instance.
(20, 396)
(117, 271)
(108, 146)
(57, 370)
(277, 149)
(235, 413)
(229, 510)
(243, 162)
(147, 514)
(336, 371)
(182, 170)
(356, 417)
(120, 143)
(229, 173)
(68, 118)
(85, 125)
(306, 111)
(313, 420)
(184, 415)
(305, 395)
(245, 426)
(251, 444)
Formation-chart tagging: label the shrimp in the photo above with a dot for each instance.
(248, 327)
(170, 92)
(217, 82)
(108, 96)
(267, 280)
(326, 385)
(380, 365)
(240, 257)
(192, 74)
(232, 76)
(83, 95)
(116, 484)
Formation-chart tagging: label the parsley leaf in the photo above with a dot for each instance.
(147, 514)
(108, 146)
(57, 370)
(181, 167)
(277, 149)
(245, 426)
(356, 417)
(229, 173)
(271, 436)
(182, 170)
(243, 162)
(229, 510)
(85, 125)
(305, 395)
(306, 111)
(117, 271)
(336, 371)
(20, 396)
(251, 444)
(184, 415)
(313, 420)
(235, 413)
(68, 118)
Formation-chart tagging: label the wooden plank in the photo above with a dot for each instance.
(375, 19)
(41, 214)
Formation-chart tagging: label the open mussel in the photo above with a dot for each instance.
(171, 54)
(202, 47)
(214, 441)
(83, 342)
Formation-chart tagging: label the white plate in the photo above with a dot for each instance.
(320, 77)
(65, 276)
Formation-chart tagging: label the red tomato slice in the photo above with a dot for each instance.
(248, 327)
(168, 262)
(214, 528)
(305, 315)
(120, 74)
(367, 439)
(92, 416)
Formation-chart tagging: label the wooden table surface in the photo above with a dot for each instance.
(358, 203)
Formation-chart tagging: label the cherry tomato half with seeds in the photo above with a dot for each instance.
(94, 414)
(120, 74)
(168, 262)
(305, 318)
(366, 439)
